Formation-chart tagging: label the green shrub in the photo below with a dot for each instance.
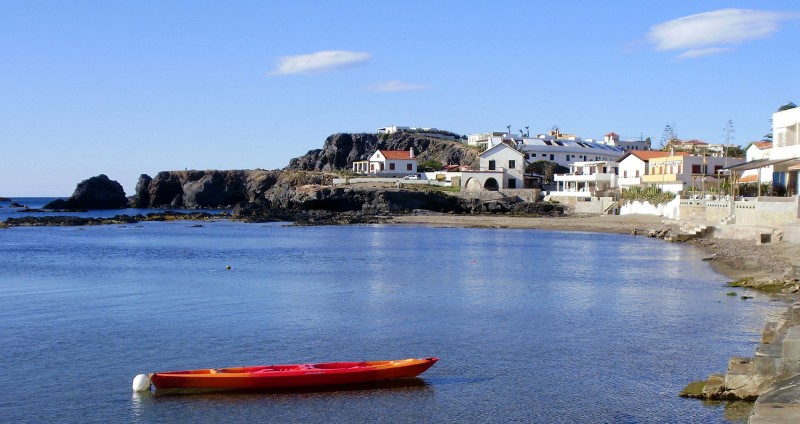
(652, 195)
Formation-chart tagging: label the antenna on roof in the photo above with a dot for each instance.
(509, 129)
(527, 131)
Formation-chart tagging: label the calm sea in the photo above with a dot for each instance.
(529, 325)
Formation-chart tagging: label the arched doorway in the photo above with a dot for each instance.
(473, 184)
(491, 185)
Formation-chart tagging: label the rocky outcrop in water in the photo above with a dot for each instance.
(341, 150)
(98, 192)
(203, 189)
(67, 221)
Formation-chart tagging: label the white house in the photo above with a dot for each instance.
(634, 165)
(758, 151)
(392, 129)
(587, 178)
(613, 139)
(567, 152)
(786, 146)
(563, 149)
(501, 167)
(393, 162)
(482, 139)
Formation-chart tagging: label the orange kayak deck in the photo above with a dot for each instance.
(292, 376)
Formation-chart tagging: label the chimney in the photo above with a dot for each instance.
(411, 152)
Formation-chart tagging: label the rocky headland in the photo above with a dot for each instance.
(340, 150)
(302, 192)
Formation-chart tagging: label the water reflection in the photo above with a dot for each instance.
(164, 405)
(417, 385)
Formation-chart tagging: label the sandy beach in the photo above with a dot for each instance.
(733, 258)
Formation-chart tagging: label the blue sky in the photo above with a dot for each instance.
(125, 88)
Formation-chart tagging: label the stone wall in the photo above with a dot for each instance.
(767, 211)
(692, 210)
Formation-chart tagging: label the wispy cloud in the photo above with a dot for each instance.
(319, 62)
(708, 51)
(391, 86)
(714, 32)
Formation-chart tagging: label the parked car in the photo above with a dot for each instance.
(411, 177)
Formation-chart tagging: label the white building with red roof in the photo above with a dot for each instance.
(759, 150)
(634, 165)
(393, 162)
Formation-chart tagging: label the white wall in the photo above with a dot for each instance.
(669, 210)
(785, 133)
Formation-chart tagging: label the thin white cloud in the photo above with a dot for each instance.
(708, 51)
(319, 62)
(392, 86)
(714, 32)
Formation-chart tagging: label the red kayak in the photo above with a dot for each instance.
(285, 376)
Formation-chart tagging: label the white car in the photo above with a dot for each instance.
(410, 177)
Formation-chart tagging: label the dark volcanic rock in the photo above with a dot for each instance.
(94, 193)
(215, 189)
(164, 189)
(203, 189)
(341, 150)
(141, 199)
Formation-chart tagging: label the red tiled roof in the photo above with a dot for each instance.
(396, 154)
(690, 142)
(763, 144)
(749, 178)
(649, 154)
(646, 155)
(612, 134)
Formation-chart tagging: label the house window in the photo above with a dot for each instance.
(491, 165)
(512, 164)
(624, 174)
(696, 169)
(408, 167)
(552, 156)
(372, 167)
(717, 168)
(637, 172)
(391, 167)
(512, 183)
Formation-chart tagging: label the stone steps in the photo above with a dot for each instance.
(729, 220)
(688, 233)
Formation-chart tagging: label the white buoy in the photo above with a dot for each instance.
(141, 383)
